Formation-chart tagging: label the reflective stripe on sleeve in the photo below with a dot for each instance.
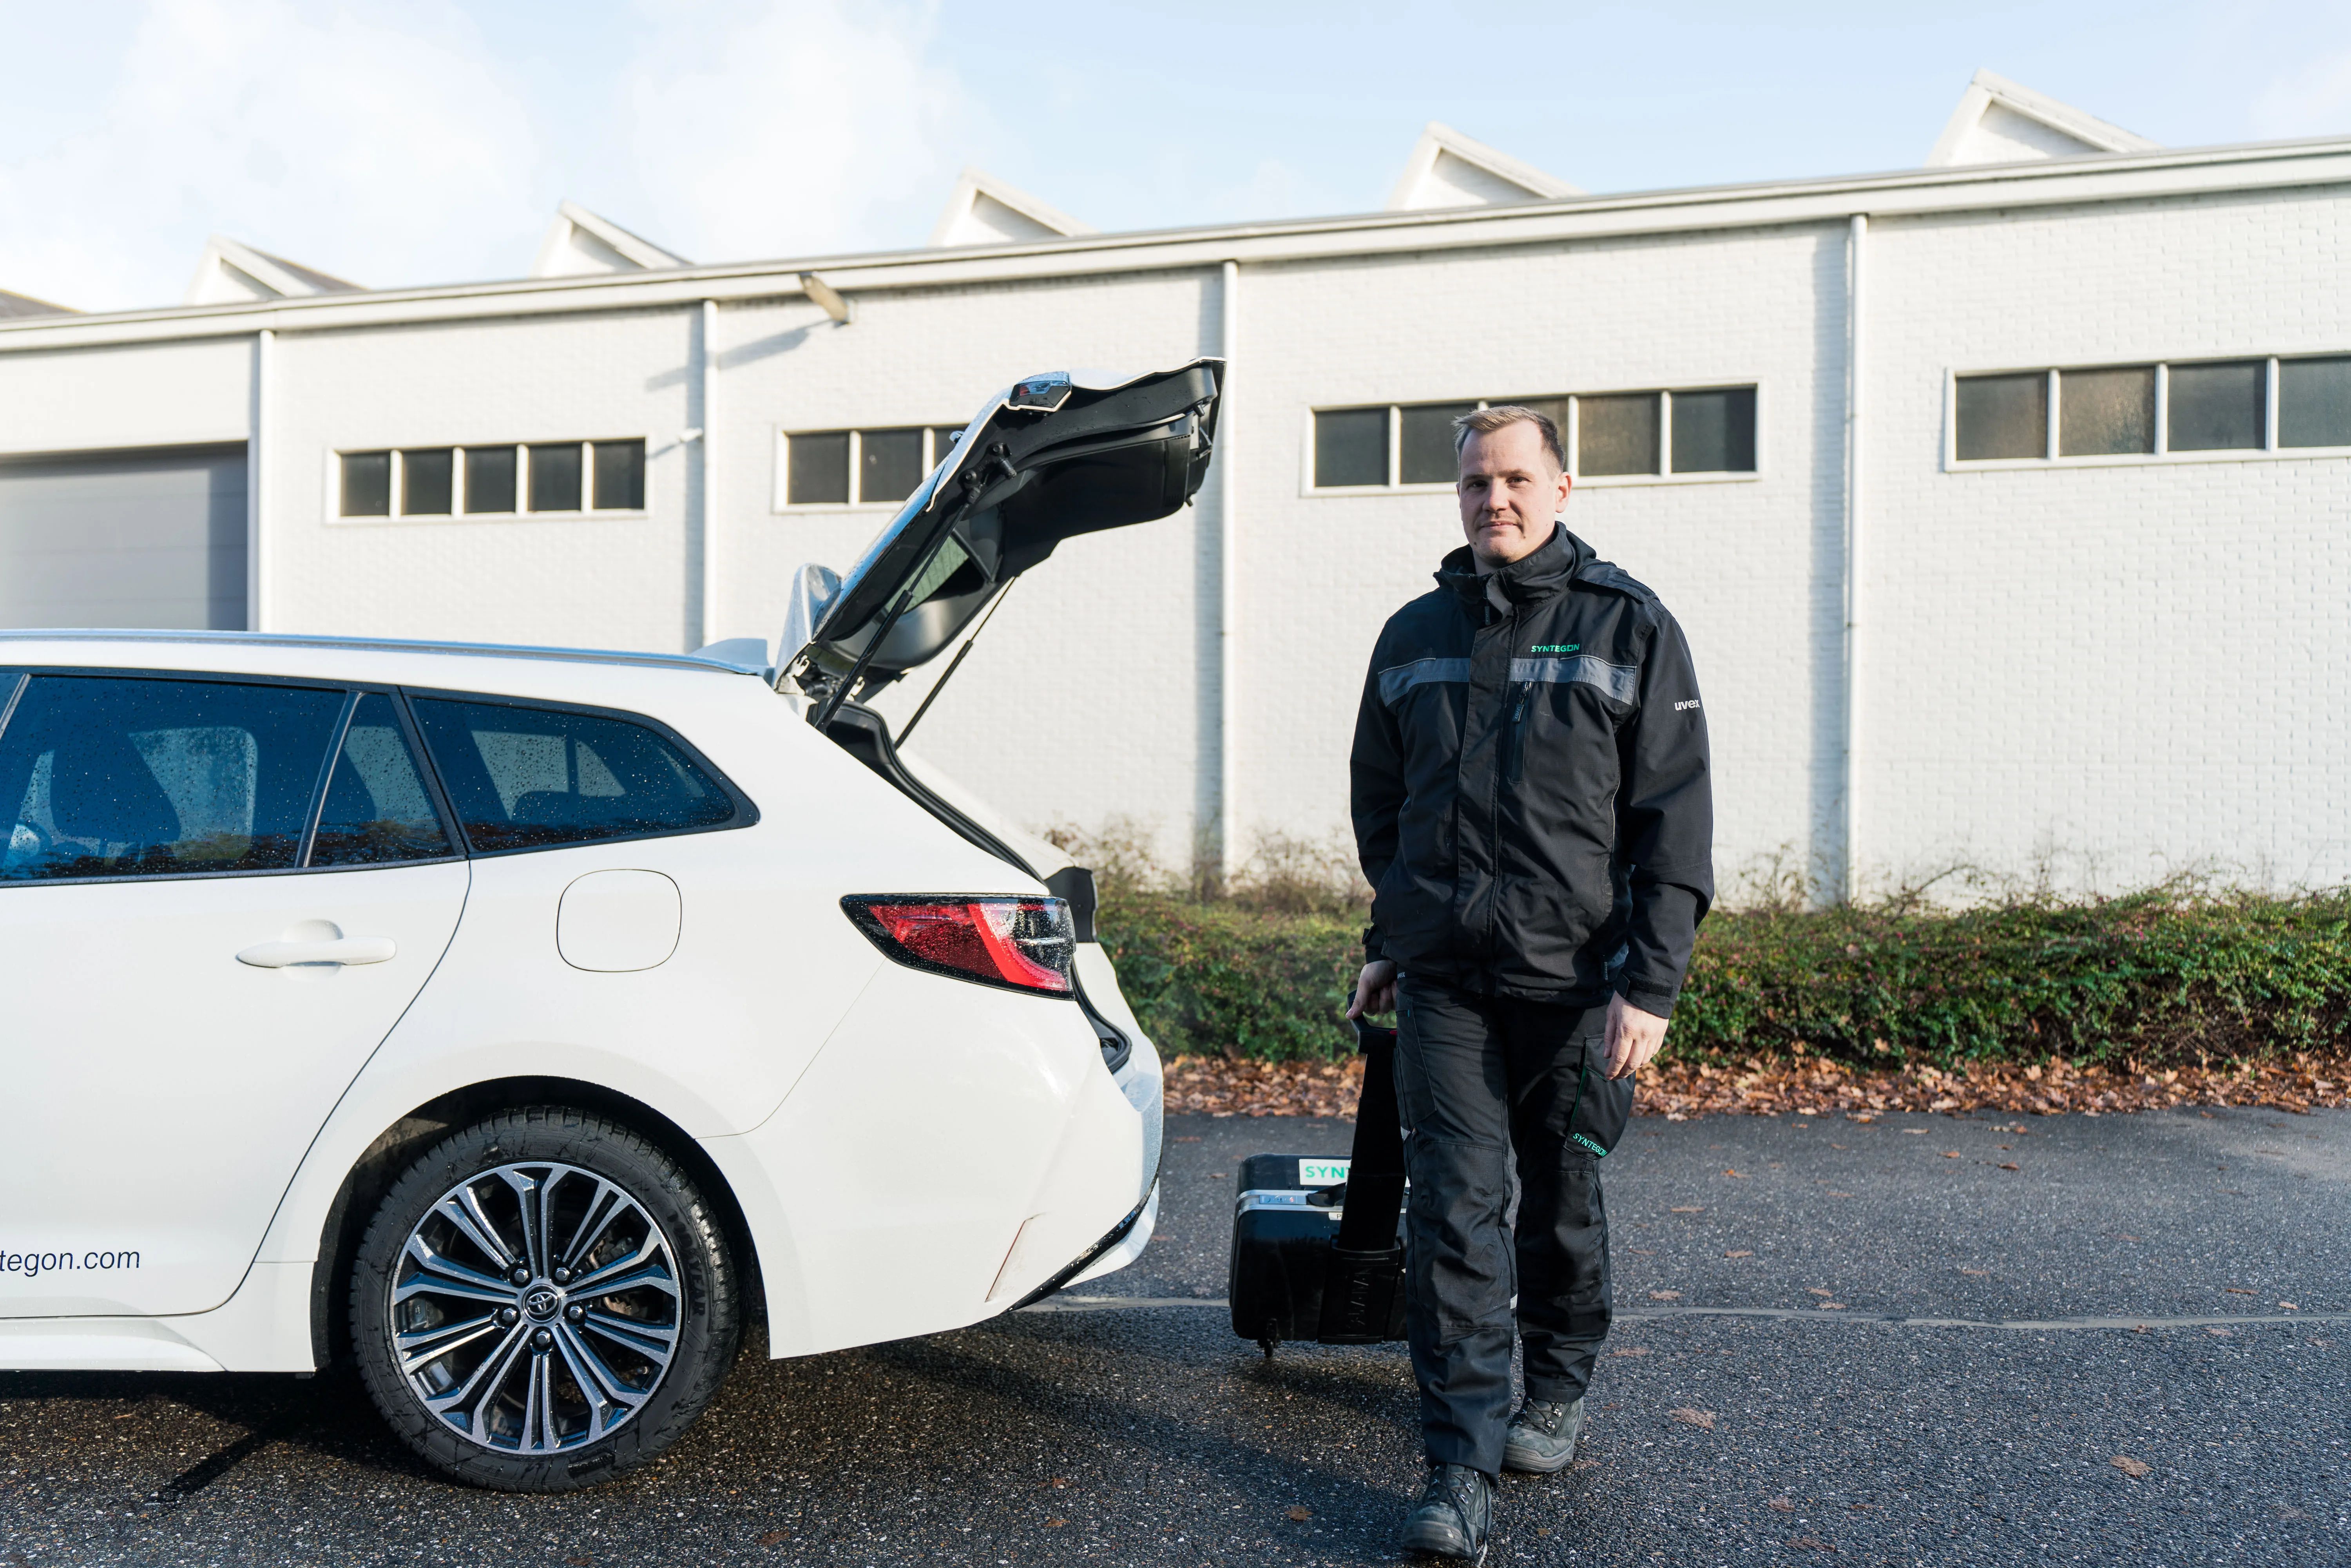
(1401, 678)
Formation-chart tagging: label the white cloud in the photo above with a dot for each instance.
(2313, 99)
(772, 129)
(412, 144)
(371, 142)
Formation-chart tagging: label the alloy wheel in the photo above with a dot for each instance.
(535, 1308)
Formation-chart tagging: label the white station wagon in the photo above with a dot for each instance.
(515, 1021)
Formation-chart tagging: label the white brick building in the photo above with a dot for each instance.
(2022, 527)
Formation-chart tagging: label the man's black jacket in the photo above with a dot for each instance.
(1531, 795)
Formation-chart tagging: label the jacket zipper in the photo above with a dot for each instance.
(1494, 801)
(1515, 768)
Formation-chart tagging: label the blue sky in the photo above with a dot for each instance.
(429, 142)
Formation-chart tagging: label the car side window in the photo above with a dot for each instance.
(377, 810)
(108, 777)
(526, 777)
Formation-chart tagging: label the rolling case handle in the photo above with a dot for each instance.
(1362, 1289)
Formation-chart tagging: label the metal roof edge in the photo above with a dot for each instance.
(2110, 176)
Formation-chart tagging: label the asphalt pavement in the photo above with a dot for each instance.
(1920, 1340)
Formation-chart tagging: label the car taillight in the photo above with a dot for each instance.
(1022, 944)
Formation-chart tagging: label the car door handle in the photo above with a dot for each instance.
(329, 950)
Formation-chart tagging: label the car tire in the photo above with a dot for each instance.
(543, 1301)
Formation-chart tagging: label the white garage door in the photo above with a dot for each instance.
(124, 538)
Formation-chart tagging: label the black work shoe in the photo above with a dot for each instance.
(1455, 1512)
(1541, 1437)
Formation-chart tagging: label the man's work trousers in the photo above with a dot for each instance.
(1478, 1077)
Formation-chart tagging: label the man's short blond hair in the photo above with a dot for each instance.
(1502, 415)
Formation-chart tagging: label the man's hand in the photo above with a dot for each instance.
(1375, 989)
(1634, 1036)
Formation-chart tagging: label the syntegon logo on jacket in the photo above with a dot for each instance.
(1554, 647)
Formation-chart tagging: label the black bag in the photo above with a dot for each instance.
(1320, 1258)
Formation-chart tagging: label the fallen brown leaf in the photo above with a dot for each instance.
(775, 1538)
(1950, 1154)
(1694, 1210)
(1058, 1481)
(1816, 1290)
(1665, 1295)
(1784, 1504)
(2129, 1465)
(1739, 1254)
(1055, 1523)
(1694, 1417)
(1734, 1173)
(2235, 1291)
(1681, 1088)
(1301, 1512)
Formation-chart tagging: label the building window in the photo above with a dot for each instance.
(2003, 417)
(1714, 430)
(1616, 434)
(555, 476)
(1351, 447)
(2314, 402)
(2220, 407)
(367, 484)
(490, 478)
(1425, 452)
(620, 475)
(1706, 431)
(427, 482)
(858, 467)
(2210, 408)
(2107, 412)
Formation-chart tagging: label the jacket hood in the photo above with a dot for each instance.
(1529, 580)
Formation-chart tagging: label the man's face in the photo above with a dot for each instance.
(1511, 495)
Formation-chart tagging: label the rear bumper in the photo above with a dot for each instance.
(1115, 1251)
(951, 1150)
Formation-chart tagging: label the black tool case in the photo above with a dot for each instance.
(1317, 1253)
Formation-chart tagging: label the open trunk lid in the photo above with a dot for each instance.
(1052, 457)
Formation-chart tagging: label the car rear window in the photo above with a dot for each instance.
(105, 776)
(377, 811)
(529, 778)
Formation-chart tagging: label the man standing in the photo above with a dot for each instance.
(1532, 807)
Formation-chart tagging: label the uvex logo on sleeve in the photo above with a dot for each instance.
(1685, 707)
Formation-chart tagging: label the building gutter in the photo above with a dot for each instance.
(1855, 363)
(256, 485)
(707, 366)
(2102, 178)
(1227, 586)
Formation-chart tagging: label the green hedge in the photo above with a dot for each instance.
(2150, 977)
